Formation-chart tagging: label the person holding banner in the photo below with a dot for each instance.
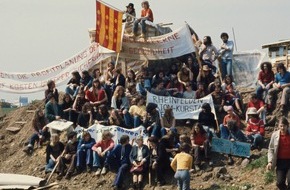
(101, 151)
(279, 154)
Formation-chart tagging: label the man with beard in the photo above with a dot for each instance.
(226, 53)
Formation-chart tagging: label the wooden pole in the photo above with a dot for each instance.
(56, 165)
(234, 39)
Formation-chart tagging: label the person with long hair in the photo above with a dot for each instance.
(136, 114)
(182, 164)
(279, 154)
(85, 153)
(41, 132)
(51, 89)
(207, 119)
(53, 152)
(200, 144)
(208, 52)
(85, 117)
(96, 95)
(130, 79)
(119, 100)
(281, 84)
(98, 75)
(102, 115)
(77, 107)
(167, 122)
(152, 121)
(139, 158)
(130, 13)
(101, 151)
(265, 80)
(86, 80)
(116, 119)
(73, 84)
(185, 75)
(66, 107)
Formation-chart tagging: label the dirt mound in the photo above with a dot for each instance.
(221, 176)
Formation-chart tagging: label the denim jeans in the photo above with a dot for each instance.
(131, 121)
(50, 165)
(121, 174)
(143, 26)
(261, 93)
(72, 92)
(84, 157)
(224, 132)
(256, 139)
(227, 65)
(183, 179)
(98, 161)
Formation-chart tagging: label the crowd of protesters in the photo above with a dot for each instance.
(112, 98)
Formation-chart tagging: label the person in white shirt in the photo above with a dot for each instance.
(226, 54)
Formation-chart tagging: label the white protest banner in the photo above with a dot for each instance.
(171, 45)
(60, 73)
(96, 131)
(182, 108)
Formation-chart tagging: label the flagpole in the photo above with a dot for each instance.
(110, 5)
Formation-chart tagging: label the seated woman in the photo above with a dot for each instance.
(182, 164)
(41, 132)
(207, 119)
(159, 159)
(136, 114)
(101, 151)
(232, 98)
(265, 80)
(116, 119)
(139, 158)
(218, 99)
(53, 152)
(85, 153)
(79, 102)
(255, 129)
(96, 95)
(66, 107)
(119, 100)
(201, 91)
(73, 84)
(51, 89)
(160, 75)
(200, 144)
(86, 80)
(167, 122)
(102, 116)
(188, 93)
(98, 75)
(152, 122)
(184, 75)
(85, 118)
(230, 116)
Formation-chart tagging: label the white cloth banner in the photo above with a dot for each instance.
(96, 131)
(182, 108)
(171, 45)
(60, 73)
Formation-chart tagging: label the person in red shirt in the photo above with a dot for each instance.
(200, 144)
(230, 116)
(101, 151)
(255, 102)
(255, 129)
(96, 95)
(146, 14)
(265, 80)
(279, 154)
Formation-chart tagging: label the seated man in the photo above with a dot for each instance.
(146, 14)
(282, 83)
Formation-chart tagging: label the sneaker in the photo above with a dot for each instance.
(98, 172)
(104, 171)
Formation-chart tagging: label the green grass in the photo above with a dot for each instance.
(269, 177)
(4, 111)
(259, 163)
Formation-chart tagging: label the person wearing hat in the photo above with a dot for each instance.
(146, 15)
(139, 158)
(130, 13)
(255, 128)
(152, 121)
(205, 76)
(230, 116)
(101, 150)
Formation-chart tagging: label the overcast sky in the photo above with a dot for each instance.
(36, 34)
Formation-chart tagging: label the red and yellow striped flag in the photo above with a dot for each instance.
(109, 27)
